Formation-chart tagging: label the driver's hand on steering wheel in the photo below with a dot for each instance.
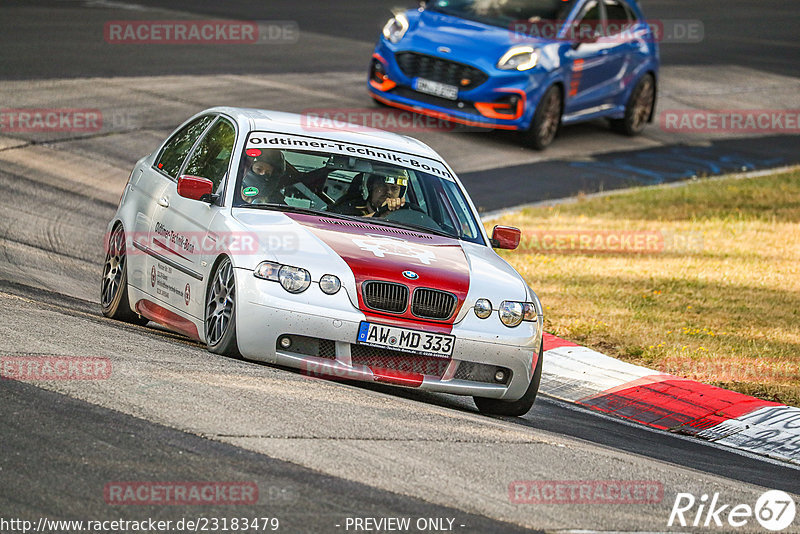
(393, 204)
(389, 205)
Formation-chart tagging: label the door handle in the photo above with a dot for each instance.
(163, 202)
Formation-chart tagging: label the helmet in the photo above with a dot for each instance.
(386, 175)
(256, 183)
(274, 158)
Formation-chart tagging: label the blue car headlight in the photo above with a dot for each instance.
(519, 58)
(396, 28)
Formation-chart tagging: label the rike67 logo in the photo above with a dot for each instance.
(774, 510)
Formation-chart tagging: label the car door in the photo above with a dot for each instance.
(148, 184)
(590, 59)
(619, 36)
(184, 223)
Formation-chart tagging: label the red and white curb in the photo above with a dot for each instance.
(591, 379)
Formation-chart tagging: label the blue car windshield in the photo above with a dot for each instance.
(503, 13)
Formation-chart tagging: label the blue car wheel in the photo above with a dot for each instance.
(546, 120)
(639, 107)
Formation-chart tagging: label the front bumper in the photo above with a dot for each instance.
(506, 100)
(265, 313)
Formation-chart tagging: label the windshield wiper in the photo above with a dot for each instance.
(292, 209)
(306, 211)
(410, 226)
(368, 220)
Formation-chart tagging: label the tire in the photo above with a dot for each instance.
(518, 407)
(639, 107)
(220, 311)
(546, 120)
(114, 285)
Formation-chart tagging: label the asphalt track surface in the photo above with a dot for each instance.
(319, 451)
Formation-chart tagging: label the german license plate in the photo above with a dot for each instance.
(430, 87)
(415, 341)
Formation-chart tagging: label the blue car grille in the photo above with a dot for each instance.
(416, 65)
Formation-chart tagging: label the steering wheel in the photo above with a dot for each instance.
(409, 213)
(383, 211)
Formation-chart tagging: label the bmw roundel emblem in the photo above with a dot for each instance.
(411, 275)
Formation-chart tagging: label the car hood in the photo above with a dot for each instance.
(359, 251)
(468, 41)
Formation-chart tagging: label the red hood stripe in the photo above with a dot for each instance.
(375, 252)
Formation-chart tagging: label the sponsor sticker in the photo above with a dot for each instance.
(260, 140)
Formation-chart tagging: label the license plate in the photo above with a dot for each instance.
(415, 341)
(437, 89)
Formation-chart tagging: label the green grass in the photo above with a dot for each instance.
(725, 310)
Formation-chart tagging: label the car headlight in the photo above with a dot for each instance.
(329, 284)
(294, 279)
(267, 270)
(513, 313)
(483, 308)
(529, 312)
(519, 58)
(396, 28)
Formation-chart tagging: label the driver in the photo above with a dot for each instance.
(262, 176)
(385, 190)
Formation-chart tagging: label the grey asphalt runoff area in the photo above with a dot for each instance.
(320, 452)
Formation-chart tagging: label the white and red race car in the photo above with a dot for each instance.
(352, 254)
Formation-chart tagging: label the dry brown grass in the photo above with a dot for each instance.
(724, 310)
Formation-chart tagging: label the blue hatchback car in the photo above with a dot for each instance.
(525, 65)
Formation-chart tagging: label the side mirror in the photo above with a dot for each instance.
(506, 237)
(196, 188)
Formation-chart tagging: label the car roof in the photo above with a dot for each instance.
(293, 123)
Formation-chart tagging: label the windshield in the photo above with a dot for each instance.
(503, 13)
(382, 186)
